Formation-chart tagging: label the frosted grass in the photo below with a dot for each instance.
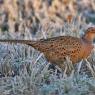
(26, 72)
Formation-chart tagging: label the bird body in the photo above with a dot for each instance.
(56, 49)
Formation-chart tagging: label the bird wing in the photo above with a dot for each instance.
(56, 49)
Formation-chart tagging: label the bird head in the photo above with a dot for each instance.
(90, 34)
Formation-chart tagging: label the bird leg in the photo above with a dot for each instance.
(68, 65)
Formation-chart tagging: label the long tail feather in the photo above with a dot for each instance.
(27, 42)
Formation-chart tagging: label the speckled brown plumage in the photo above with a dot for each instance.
(56, 49)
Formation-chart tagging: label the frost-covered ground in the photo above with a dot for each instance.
(24, 71)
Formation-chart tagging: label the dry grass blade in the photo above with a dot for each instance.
(90, 68)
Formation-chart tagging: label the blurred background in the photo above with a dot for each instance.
(19, 16)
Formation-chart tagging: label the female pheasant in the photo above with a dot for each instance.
(58, 48)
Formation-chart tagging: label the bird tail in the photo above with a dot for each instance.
(35, 44)
(27, 42)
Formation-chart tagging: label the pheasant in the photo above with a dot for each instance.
(58, 48)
